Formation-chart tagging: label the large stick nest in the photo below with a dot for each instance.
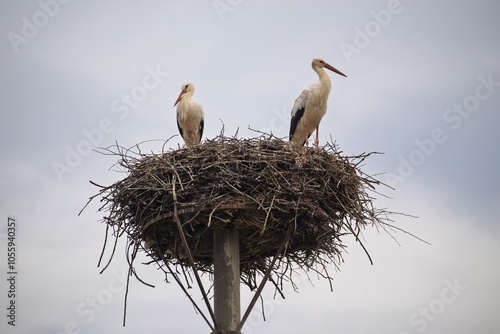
(262, 187)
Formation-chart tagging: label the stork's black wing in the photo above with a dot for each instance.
(297, 112)
(179, 126)
(295, 120)
(202, 124)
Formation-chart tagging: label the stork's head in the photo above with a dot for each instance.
(321, 63)
(186, 88)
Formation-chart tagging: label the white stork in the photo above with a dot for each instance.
(310, 106)
(190, 116)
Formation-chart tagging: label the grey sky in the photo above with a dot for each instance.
(423, 86)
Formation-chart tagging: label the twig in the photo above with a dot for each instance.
(264, 279)
(190, 257)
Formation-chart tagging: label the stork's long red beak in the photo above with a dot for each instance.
(179, 98)
(333, 69)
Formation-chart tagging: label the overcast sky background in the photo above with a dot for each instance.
(409, 72)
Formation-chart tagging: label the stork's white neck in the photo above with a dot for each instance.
(324, 80)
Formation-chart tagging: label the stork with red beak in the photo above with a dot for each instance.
(190, 116)
(310, 106)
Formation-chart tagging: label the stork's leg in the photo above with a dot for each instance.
(317, 136)
(307, 142)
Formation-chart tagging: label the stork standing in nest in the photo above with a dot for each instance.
(190, 116)
(310, 106)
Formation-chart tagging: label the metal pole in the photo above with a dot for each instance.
(227, 279)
